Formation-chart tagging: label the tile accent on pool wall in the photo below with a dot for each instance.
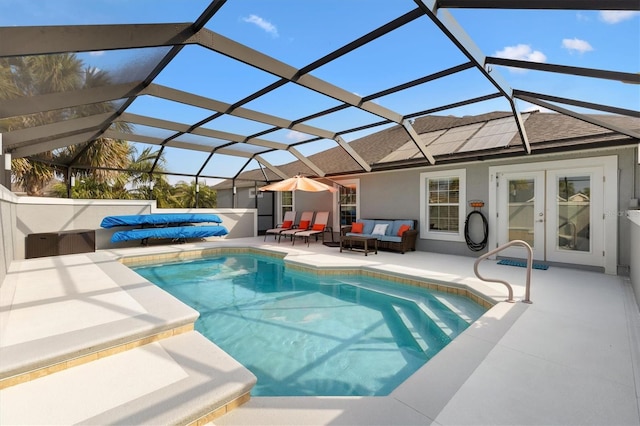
(481, 299)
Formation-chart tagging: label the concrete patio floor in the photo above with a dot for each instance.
(570, 358)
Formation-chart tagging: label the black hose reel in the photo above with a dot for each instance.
(476, 246)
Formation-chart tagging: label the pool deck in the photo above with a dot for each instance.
(572, 357)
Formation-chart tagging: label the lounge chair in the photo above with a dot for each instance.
(304, 225)
(287, 223)
(319, 225)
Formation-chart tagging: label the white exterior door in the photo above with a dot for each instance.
(558, 208)
(575, 225)
(521, 213)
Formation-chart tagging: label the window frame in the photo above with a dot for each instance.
(281, 205)
(425, 231)
(338, 214)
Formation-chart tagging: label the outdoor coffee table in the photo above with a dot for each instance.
(366, 241)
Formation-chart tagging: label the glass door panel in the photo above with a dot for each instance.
(521, 210)
(573, 209)
(576, 222)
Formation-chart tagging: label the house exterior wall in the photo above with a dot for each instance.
(396, 194)
(402, 195)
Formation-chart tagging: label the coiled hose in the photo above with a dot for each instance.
(470, 243)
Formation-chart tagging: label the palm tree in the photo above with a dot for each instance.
(37, 75)
(147, 185)
(186, 195)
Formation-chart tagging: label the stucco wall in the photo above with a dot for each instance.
(29, 215)
(396, 194)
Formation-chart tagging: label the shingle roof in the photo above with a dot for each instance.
(547, 131)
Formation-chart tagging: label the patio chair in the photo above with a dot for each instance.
(319, 225)
(287, 223)
(303, 225)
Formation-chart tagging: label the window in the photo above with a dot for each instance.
(442, 205)
(286, 203)
(349, 201)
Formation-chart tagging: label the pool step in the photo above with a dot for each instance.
(425, 333)
(111, 349)
(184, 379)
(446, 324)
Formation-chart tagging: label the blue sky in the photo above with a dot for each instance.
(299, 32)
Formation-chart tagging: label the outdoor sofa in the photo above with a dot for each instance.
(390, 238)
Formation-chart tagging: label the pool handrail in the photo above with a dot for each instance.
(529, 268)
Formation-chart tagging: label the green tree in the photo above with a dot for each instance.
(185, 195)
(39, 75)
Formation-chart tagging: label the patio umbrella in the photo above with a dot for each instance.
(299, 183)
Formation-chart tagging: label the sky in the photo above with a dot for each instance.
(300, 32)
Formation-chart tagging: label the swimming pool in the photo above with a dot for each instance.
(307, 334)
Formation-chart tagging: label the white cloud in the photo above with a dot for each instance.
(577, 45)
(261, 23)
(615, 16)
(97, 53)
(296, 136)
(582, 17)
(521, 52)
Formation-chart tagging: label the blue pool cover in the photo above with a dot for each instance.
(173, 232)
(164, 219)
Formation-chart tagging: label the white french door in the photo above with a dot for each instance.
(576, 216)
(558, 208)
(521, 212)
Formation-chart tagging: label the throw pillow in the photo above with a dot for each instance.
(318, 227)
(304, 224)
(287, 224)
(356, 227)
(402, 230)
(380, 229)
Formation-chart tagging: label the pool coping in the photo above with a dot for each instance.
(448, 369)
(544, 353)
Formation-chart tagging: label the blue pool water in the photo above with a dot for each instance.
(303, 334)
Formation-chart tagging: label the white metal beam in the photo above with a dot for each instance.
(581, 117)
(306, 161)
(458, 36)
(271, 167)
(365, 166)
(418, 141)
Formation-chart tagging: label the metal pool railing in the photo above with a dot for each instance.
(529, 267)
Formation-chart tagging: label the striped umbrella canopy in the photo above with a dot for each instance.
(298, 183)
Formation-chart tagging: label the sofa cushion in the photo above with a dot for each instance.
(398, 223)
(356, 227)
(368, 225)
(380, 229)
(403, 229)
(391, 238)
(389, 224)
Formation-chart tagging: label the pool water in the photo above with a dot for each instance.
(304, 334)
